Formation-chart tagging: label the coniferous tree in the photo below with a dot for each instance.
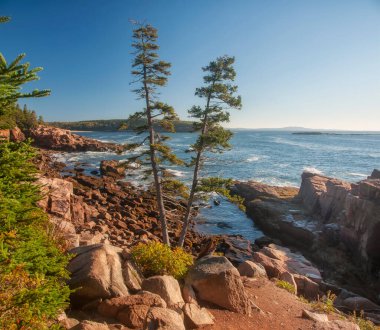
(12, 77)
(151, 73)
(219, 95)
(4, 19)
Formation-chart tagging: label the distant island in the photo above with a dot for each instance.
(115, 125)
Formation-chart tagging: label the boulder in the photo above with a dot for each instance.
(130, 310)
(312, 186)
(336, 325)
(317, 317)
(197, 317)
(306, 287)
(216, 280)
(16, 135)
(112, 168)
(66, 322)
(289, 278)
(293, 262)
(166, 287)
(133, 316)
(90, 325)
(5, 134)
(370, 189)
(188, 294)
(235, 248)
(132, 277)
(163, 319)
(96, 273)
(251, 269)
(273, 267)
(65, 230)
(359, 304)
(57, 200)
(280, 262)
(375, 174)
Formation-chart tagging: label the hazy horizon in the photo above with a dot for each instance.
(309, 64)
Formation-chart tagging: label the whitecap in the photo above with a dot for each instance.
(253, 159)
(134, 165)
(175, 172)
(358, 174)
(311, 169)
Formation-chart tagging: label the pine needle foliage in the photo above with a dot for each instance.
(13, 75)
(220, 96)
(32, 266)
(221, 186)
(4, 19)
(151, 73)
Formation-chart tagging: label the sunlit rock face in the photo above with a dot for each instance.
(355, 208)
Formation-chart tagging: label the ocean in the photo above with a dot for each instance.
(272, 157)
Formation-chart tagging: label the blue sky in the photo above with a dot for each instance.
(312, 63)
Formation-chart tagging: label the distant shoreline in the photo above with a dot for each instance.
(334, 133)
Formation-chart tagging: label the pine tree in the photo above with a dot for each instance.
(12, 77)
(219, 95)
(4, 19)
(151, 73)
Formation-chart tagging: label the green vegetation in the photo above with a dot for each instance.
(325, 304)
(152, 73)
(13, 76)
(363, 323)
(159, 259)
(32, 266)
(221, 186)
(119, 124)
(286, 285)
(175, 188)
(219, 95)
(24, 118)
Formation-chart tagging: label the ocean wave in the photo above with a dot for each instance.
(358, 174)
(175, 173)
(273, 181)
(311, 169)
(253, 159)
(295, 144)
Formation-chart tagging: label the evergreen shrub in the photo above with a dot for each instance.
(32, 265)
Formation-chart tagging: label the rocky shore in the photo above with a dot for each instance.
(333, 223)
(101, 216)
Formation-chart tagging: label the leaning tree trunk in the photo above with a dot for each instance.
(157, 183)
(186, 220)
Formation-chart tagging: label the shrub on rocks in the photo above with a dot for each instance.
(155, 258)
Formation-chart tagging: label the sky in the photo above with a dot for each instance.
(313, 63)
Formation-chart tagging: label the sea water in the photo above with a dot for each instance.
(272, 157)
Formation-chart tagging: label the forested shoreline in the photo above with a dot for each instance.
(115, 125)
